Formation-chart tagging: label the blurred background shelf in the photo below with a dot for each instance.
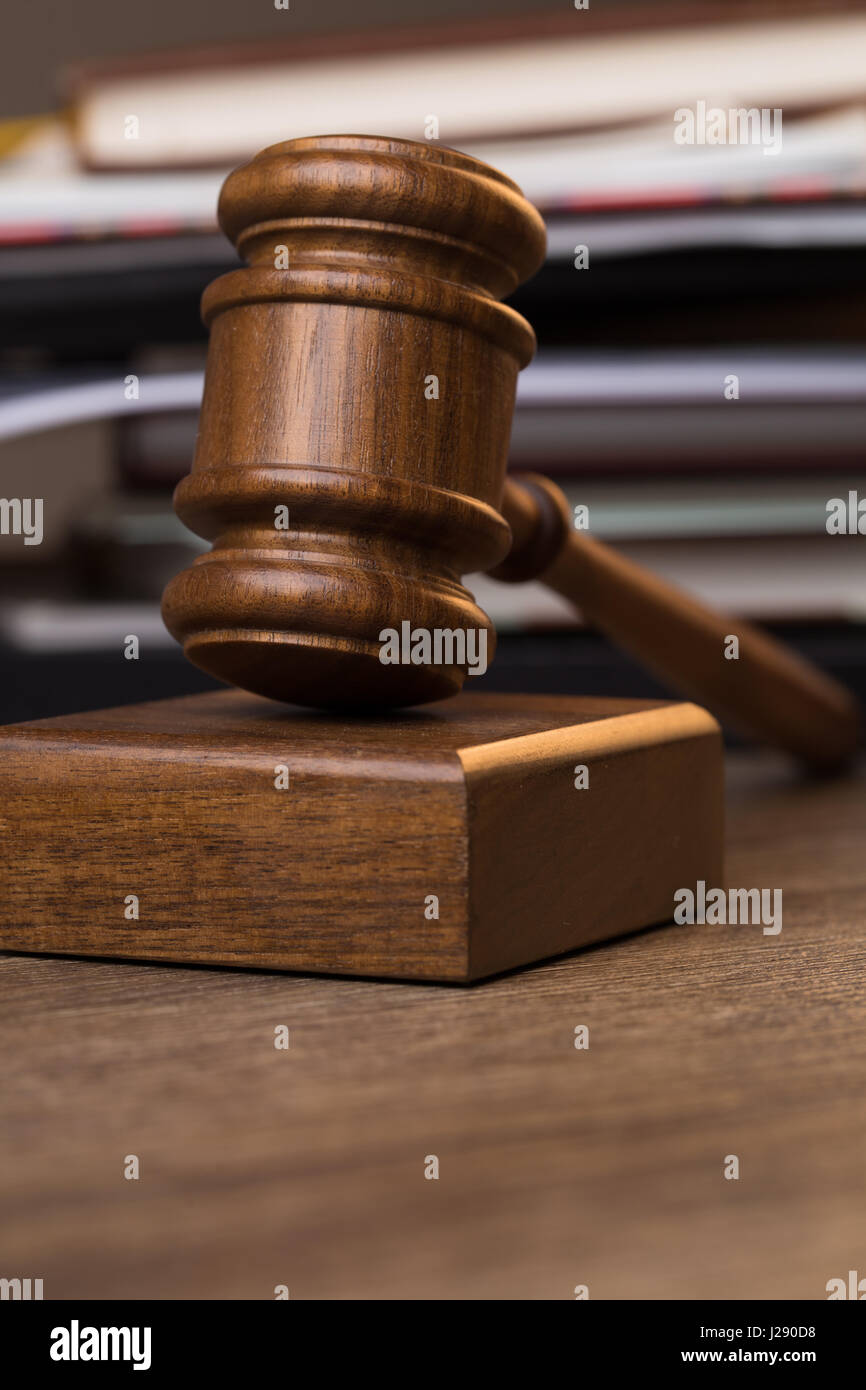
(699, 263)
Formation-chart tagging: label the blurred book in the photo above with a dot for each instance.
(610, 235)
(46, 197)
(36, 401)
(757, 226)
(577, 413)
(588, 123)
(765, 579)
(681, 276)
(743, 529)
(69, 471)
(566, 70)
(735, 409)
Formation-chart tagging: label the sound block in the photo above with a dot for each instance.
(447, 843)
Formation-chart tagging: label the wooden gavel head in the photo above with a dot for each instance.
(354, 429)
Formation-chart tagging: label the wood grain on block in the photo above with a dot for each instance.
(467, 810)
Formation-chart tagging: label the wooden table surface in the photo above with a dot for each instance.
(558, 1167)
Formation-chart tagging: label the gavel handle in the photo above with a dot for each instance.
(768, 690)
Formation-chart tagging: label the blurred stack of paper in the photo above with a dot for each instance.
(580, 107)
(701, 382)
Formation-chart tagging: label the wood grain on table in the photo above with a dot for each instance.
(558, 1167)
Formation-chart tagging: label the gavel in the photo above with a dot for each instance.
(350, 466)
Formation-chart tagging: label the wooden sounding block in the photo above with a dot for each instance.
(443, 844)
